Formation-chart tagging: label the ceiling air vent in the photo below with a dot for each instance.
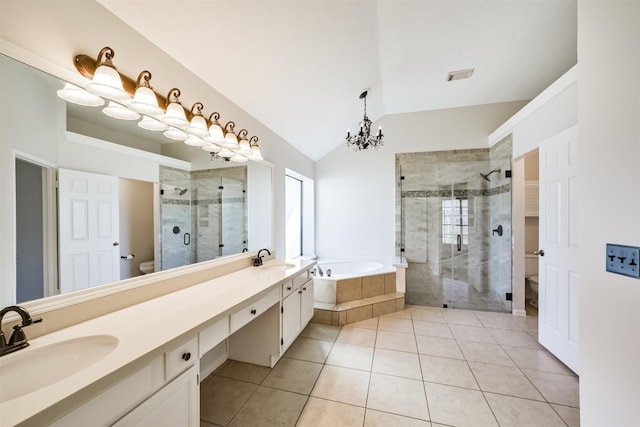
(460, 74)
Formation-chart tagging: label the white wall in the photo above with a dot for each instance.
(355, 191)
(85, 27)
(609, 117)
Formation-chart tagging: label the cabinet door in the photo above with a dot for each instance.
(306, 304)
(176, 404)
(290, 318)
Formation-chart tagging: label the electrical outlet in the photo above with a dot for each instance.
(623, 259)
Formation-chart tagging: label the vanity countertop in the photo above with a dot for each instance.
(143, 328)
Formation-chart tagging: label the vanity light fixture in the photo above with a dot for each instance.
(363, 139)
(230, 138)
(198, 124)
(175, 134)
(117, 111)
(243, 143)
(195, 141)
(215, 131)
(255, 149)
(175, 116)
(106, 80)
(144, 100)
(129, 99)
(238, 158)
(77, 95)
(154, 124)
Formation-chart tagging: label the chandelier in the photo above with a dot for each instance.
(363, 139)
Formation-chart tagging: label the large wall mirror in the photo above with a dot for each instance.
(74, 172)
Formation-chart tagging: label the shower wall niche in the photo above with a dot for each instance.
(454, 227)
(203, 214)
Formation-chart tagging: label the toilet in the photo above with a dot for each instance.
(147, 267)
(531, 277)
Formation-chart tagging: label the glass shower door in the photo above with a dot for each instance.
(175, 220)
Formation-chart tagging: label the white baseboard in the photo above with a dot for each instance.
(519, 312)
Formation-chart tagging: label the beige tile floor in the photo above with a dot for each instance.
(419, 367)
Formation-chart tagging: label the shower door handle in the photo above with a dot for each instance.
(186, 239)
(459, 242)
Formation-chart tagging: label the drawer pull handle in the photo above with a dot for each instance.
(186, 356)
(288, 288)
(299, 292)
(304, 289)
(253, 311)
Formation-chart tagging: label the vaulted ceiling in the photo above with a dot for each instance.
(298, 66)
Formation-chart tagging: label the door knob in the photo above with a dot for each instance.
(540, 252)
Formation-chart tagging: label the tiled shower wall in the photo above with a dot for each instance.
(438, 273)
(210, 214)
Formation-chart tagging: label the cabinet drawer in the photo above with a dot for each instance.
(287, 288)
(181, 358)
(212, 335)
(253, 310)
(300, 279)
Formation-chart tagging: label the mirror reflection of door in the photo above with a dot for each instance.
(89, 229)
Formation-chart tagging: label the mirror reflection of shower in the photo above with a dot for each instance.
(486, 176)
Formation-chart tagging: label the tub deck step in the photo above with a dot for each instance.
(355, 311)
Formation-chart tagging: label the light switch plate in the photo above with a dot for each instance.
(623, 260)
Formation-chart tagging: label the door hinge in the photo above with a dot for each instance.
(282, 309)
(197, 378)
(509, 296)
(281, 341)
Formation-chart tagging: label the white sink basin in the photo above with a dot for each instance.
(28, 370)
(279, 267)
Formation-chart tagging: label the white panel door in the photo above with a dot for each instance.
(89, 229)
(559, 243)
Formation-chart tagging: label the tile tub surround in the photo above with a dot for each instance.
(363, 379)
(139, 336)
(344, 301)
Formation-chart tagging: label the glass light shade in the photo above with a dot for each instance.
(255, 153)
(195, 141)
(244, 147)
(149, 123)
(238, 158)
(76, 95)
(145, 102)
(107, 83)
(175, 116)
(175, 134)
(117, 111)
(215, 134)
(226, 153)
(230, 140)
(198, 127)
(211, 148)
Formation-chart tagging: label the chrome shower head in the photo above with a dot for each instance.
(486, 176)
(181, 191)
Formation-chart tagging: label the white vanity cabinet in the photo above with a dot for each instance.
(176, 404)
(163, 391)
(297, 307)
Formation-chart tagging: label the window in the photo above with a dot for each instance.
(293, 212)
(455, 221)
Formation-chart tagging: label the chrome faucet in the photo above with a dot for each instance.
(257, 261)
(18, 339)
(320, 272)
